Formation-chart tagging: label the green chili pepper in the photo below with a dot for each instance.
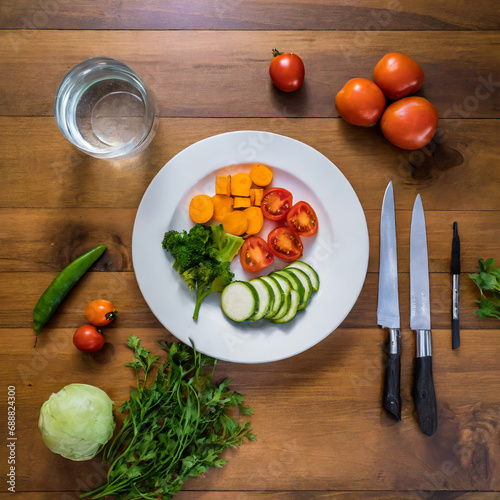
(61, 286)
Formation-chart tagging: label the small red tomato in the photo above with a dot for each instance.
(398, 75)
(285, 243)
(88, 338)
(360, 102)
(100, 312)
(302, 219)
(255, 255)
(286, 71)
(409, 123)
(275, 203)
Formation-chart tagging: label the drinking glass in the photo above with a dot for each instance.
(105, 110)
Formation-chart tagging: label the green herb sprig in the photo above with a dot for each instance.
(174, 430)
(488, 282)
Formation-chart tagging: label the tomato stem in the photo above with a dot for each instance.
(276, 52)
(111, 315)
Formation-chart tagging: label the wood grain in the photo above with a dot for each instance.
(248, 14)
(122, 289)
(40, 168)
(219, 73)
(335, 385)
(49, 239)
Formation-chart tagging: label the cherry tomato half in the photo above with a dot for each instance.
(285, 243)
(302, 219)
(409, 123)
(255, 255)
(360, 102)
(398, 75)
(275, 203)
(286, 71)
(100, 312)
(88, 338)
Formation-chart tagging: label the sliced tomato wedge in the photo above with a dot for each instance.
(285, 243)
(302, 218)
(255, 254)
(276, 203)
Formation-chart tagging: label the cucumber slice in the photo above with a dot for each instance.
(285, 307)
(313, 275)
(278, 295)
(266, 298)
(239, 300)
(283, 280)
(292, 310)
(296, 284)
(306, 283)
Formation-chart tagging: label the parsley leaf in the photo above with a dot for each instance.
(174, 430)
(488, 282)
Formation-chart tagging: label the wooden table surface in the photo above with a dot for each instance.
(321, 430)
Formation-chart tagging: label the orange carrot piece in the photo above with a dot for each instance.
(261, 175)
(223, 185)
(235, 223)
(255, 219)
(256, 196)
(222, 205)
(241, 184)
(201, 208)
(241, 202)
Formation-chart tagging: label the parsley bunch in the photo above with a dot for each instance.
(175, 430)
(488, 282)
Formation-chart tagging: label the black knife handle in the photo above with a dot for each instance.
(455, 333)
(424, 395)
(391, 397)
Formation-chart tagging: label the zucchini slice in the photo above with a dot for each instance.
(239, 300)
(292, 310)
(313, 275)
(306, 283)
(279, 296)
(266, 298)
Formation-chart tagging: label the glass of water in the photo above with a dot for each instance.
(105, 110)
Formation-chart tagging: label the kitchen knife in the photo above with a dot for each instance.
(388, 304)
(420, 321)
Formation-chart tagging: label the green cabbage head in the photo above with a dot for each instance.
(77, 421)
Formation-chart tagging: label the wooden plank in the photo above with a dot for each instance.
(250, 14)
(123, 291)
(284, 495)
(459, 173)
(351, 443)
(50, 239)
(218, 73)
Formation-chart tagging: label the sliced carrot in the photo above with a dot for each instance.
(235, 223)
(241, 202)
(223, 185)
(255, 219)
(256, 196)
(241, 184)
(222, 205)
(201, 208)
(261, 175)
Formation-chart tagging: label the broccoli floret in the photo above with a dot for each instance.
(226, 245)
(188, 249)
(202, 258)
(206, 278)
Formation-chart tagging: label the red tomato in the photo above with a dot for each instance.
(255, 255)
(285, 243)
(302, 219)
(100, 312)
(360, 102)
(88, 338)
(275, 203)
(286, 71)
(409, 123)
(398, 75)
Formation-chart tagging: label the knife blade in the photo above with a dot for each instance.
(388, 304)
(420, 320)
(455, 271)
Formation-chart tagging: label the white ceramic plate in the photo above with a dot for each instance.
(338, 252)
